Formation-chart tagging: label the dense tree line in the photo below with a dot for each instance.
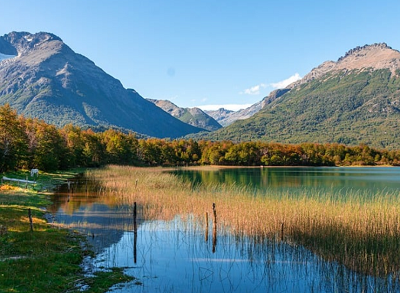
(31, 143)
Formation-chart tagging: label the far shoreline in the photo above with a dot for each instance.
(224, 167)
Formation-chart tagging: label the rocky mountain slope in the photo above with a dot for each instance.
(353, 100)
(193, 116)
(221, 115)
(227, 117)
(42, 77)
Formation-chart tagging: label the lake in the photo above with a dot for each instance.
(179, 256)
(342, 180)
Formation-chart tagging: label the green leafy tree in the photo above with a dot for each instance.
(75, 144)
(93, 150)
(13, 140)
(51, 149)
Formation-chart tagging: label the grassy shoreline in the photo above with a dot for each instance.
(47, 259)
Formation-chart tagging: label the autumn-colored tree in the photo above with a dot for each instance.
(151, 151)
(75, 143)
(13, 140)
(51, 149)
(93, 150)
(120, 148)
(29, 127)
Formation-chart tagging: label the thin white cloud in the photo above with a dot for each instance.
(255, 90)
(233, 107)
(284, 83)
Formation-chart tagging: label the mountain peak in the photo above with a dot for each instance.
(18, 43)
(375, 56)
(41, 77)
(26, 37)
(365, 50)
(372, 57)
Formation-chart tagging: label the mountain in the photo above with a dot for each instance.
(354, 100)
(221, 115)
(42, 77)
(227, 117)
(193, 116)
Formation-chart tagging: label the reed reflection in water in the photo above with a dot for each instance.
(173, 258)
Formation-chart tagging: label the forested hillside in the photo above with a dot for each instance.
(31, 143)
(353, 101)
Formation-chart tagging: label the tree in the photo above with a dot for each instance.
(13, 140)
(93, 150)
(51, 150)
(75, 143)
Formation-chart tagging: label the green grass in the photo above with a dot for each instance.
(47, 259)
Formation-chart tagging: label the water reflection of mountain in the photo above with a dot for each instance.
(295, 179)
(97, 217)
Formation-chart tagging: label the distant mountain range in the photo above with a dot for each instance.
(193, 116)
(227, 117)
(42, 77)
(352, 101)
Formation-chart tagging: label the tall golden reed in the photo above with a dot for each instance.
(363, 234)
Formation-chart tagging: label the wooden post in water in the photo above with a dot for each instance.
(206, 228)
(134, 233)
(134, 217)
(30, 219)
(215, 213)
(214, 229)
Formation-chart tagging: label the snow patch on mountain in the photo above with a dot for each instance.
(4, 56)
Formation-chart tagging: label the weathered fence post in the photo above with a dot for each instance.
(134, 217)
(30, 219)
(214, 229)
(134, 233)
(283, 223)
(206, 228)
(215, 213)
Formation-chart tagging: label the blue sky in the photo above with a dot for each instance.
(199, 53)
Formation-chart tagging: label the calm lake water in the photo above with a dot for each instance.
(341, 180)
(175, 256)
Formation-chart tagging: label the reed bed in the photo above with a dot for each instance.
(361, 232)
